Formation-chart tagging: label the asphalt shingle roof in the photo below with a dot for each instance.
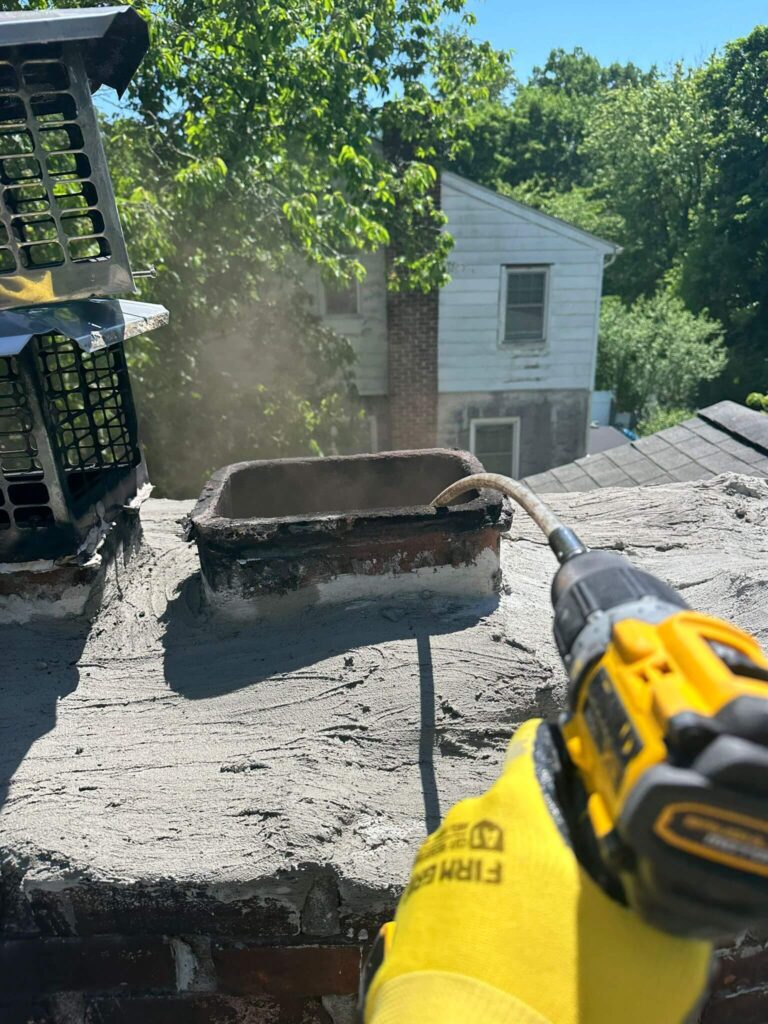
(725, 437)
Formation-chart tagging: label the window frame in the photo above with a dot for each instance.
(523, 268)
(339, 316)
(498, 421)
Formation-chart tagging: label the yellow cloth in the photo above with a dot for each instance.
(424, 996)
(500, 924)
(22, 292)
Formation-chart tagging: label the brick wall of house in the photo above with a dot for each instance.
(412, 318)
(412, 334)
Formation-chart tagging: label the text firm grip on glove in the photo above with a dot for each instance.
(499, 922)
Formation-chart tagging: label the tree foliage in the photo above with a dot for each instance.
(537, 136)
(757, 401)
(660, 419)
(655, 353)
(262, 138)
(648, 149)
(726, 269)
(671, 166)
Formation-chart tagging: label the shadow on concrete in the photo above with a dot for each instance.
(205, 657)
(432, 815)
(40, 667)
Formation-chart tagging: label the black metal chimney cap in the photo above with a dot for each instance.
(114, 38)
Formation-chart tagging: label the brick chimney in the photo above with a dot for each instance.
(412, 354)
(412, 363)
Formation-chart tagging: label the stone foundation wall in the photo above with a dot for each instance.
(553, 424)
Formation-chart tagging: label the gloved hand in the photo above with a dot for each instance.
(500, 923)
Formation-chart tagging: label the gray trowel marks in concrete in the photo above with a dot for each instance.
(165, 774)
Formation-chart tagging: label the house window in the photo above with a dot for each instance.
(496, 443)
(523, 305)
(341, 299)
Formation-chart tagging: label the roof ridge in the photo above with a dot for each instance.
(557, 224)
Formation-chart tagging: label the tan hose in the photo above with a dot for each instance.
(540, 513)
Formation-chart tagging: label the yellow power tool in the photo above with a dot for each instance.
(662, 771)
(660, 763)
(664, 744)
(666, 748)
(662, 751)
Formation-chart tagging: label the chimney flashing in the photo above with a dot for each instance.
(93, 324)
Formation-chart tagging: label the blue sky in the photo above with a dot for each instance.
(649, 32)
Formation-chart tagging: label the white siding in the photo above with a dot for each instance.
(489, 233)
(368, 330)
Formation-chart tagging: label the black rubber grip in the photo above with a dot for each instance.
(599, 581)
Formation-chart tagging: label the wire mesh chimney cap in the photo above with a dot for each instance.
(114, 39)
(94, 324)
(60, 233)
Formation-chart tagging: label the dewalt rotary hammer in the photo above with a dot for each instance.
(661, 767)
(666, 748)
(664, 743)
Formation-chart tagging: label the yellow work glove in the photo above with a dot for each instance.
(500, 923)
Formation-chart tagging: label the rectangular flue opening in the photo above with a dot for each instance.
(343, 528)
(316, 487)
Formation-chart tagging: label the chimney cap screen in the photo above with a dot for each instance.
(114, 39)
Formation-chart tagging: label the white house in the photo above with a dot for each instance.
(502, 359)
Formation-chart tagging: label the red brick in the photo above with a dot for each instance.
(412, 353)
(741, 972)
(745, 1008)
(161, 910)
(95, 964)
(202, 1009)
(298, 971)
(412, 327)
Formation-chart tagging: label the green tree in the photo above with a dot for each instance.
(537, 136)
(578, 73)
(660, 419)
(648, 148)
(655, 354)
(252, 150)
(726, 269)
